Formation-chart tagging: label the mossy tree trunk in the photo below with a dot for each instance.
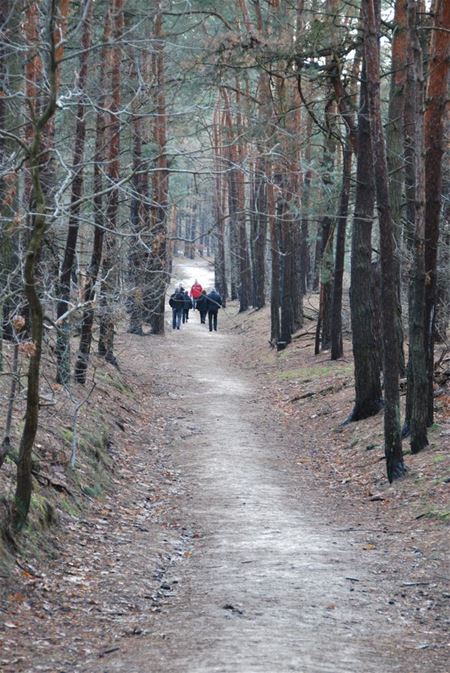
(23, 491)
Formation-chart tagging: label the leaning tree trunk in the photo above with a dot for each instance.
(392, 434)
(24, 485)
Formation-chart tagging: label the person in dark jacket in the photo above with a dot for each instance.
(202, 306)
(187, 306)
(176, 302)
(214, 303)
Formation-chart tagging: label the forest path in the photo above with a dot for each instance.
(214, 550)
(272, 583)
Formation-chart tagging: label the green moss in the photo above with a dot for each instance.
(97, 439)
(438, 458)
(94, 491)
(307, 374)
(114, 381)
(42, 512)
(439, 514)
(70, 506)
(121, 386)
(67, 435)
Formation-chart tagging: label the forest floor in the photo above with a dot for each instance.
(245, 530)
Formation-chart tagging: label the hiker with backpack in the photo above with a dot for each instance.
(214, 302)
(202, 306)
(176, 302)
(187, 306)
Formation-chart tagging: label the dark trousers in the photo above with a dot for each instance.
(203, 317)
(185, 314)
(212, 320)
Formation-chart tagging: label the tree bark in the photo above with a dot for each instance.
(63, 336)
(23, 491)
(337, 350)
(109, 267)
(436, 96)
(244, 260)
(418, 379)
(395, 147)
(392, 435)
(220, 279)
(275, 262)
(93, 269)
(260, 235)
(323, 329)
(160, 181)
(366, 355)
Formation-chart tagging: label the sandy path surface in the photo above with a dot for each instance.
(272, 583)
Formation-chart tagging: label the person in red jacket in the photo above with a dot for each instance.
(195, 292)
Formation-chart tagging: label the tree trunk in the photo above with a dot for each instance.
(10, 282)
(337, 350)
(286, 256)
(304, 245)
(109, 267)
(244, 260)
(137, 254)
(437, 89)
(93, 269)
(323, 339)
(394, 146)
(160, 182)
(22, 496)
(275, 262)
(366, 355)
(220, 278)
(417, 291)
(259, 243)
(392, 434)
(63, 335)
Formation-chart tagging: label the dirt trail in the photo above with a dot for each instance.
(217, 553)
(273, 584)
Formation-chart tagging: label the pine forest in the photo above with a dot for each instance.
(224, 336)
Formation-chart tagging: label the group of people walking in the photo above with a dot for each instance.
(206, 304)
